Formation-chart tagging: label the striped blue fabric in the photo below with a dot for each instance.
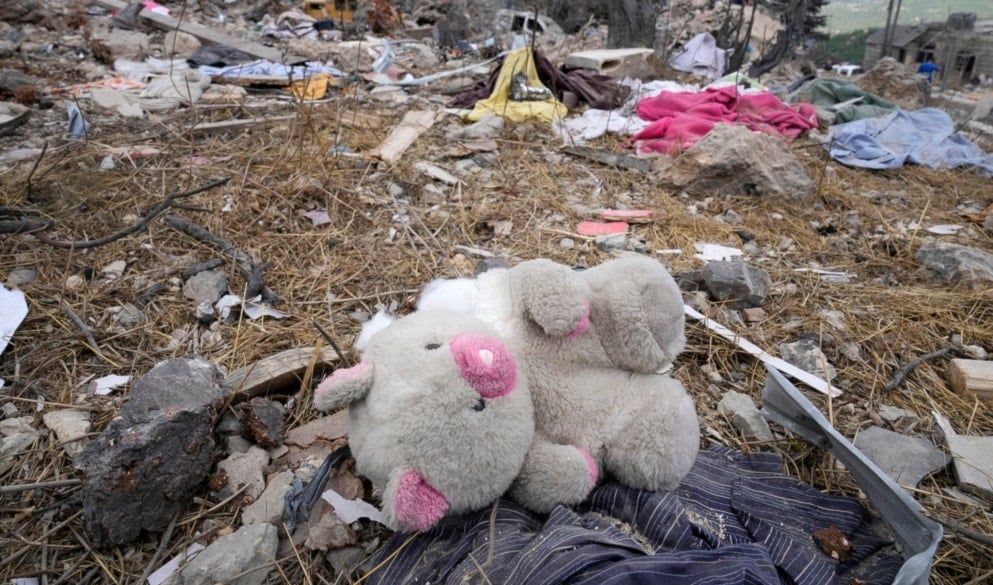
(735, 520)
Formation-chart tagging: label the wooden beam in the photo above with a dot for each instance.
(238, 124)
(280, 372)
(207, 35)
(971, 377)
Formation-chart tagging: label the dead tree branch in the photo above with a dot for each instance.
(251, 271)
(85, 331)
(154, 212)
(16, 226)
(902, 371)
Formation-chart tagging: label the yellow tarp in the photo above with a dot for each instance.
(500, 104)
(313, 88)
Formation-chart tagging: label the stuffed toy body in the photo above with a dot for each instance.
(587, 347)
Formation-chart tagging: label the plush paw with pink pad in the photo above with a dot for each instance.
(418, 506)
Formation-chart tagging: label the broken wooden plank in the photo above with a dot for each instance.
(282, 371)
(779, 364)
(628, 215)
(972, 377)
(610, 158)
(223, 126)
(207, 35)
(255, 80)
(414, 124)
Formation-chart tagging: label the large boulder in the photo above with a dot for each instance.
(733, 160)
(952, 263)
(151, 458)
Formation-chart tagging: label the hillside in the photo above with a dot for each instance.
(848, 15)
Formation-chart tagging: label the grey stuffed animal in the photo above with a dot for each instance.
(440, 417)
(588, 346)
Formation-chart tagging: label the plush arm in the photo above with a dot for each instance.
(343, 387)
(554, 474)
(551, 295)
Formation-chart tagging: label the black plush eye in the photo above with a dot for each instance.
(432, 346)
(480, 405)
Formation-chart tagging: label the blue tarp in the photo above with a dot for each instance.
(925, 137)
(735, 520)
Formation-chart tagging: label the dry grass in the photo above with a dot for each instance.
(856, 223)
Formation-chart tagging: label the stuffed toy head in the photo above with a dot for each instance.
(440, 416)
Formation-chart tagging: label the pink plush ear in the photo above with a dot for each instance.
(418, 505)
(344, 386)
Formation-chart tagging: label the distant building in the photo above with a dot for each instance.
(962, 46)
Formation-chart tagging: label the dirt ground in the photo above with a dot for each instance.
(391, 229)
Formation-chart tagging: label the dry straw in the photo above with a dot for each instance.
(391, 230)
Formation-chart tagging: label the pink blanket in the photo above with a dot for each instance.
(683, 118)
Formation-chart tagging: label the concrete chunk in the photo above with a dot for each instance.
(745, 416)
(907, 460)
(606, 61)
(243, 558)
(151, 459)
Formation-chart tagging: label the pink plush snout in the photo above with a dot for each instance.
(485, 363)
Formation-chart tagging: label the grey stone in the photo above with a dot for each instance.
(123, 44)
(18, 435)
(423, 56)
(154, 456)
(489, 126)
(745, 416)
(346, 561)
(269, 506)
(69, 426)
(127, 315)
(736, 283)
(244, 470)
(851, 350)
(18, 277)
(16, 443)
(611, 242)
(204, 313)
(177, 384)
(907, 460)
(263, 419)
(236, 444)
(953, 263)
(973, 457)
(16, 426)
(567, 243)
(242, 558)
(897, 417)
(988, 223)
(733, 160)
(806, 355)
(180, 44)
(209, 286)
(467, 165)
